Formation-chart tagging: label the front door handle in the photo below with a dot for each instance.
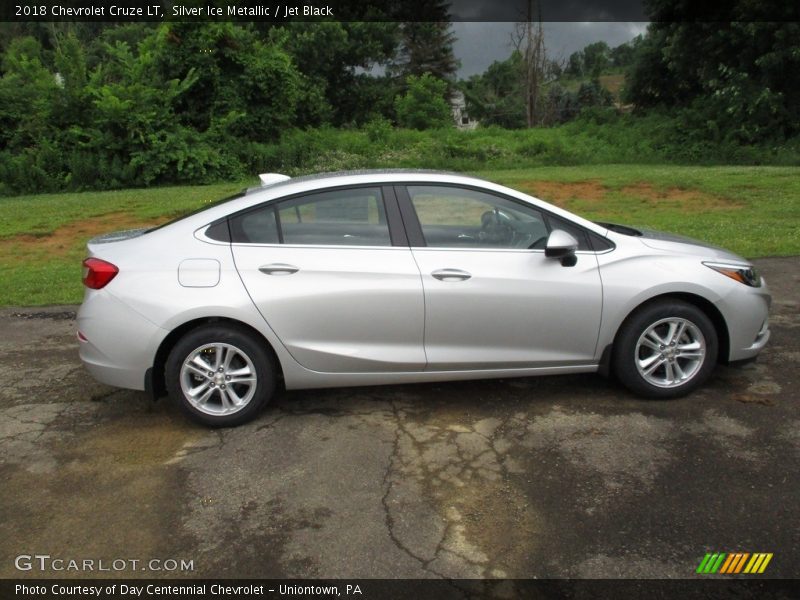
(451, 275)
(278, 269)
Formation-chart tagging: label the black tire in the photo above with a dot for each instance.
(243, 346)
(626, 355)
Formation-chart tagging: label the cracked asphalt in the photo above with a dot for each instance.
(566, 476)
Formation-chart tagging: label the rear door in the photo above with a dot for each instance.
(332, 274)
(492, 298)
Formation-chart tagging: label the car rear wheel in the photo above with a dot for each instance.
(220, 375)
(665, 350)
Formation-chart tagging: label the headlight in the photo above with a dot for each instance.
(745, 274)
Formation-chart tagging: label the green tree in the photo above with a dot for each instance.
(495, 97)
(427, 48)
(424, 105)
(332, 58)
(243, 83)
(426, 44)
(592, 94)
(133, 134)
(28, 91)
(624, 54)
(596, 59)
(72, 76)
(28, 99)
(575, 64)
(735, 71)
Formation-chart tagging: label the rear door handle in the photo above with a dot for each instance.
(451, 275)
(278, 269)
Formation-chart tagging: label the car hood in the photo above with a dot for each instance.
(671, 242)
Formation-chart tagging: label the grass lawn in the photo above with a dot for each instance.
(754, 211)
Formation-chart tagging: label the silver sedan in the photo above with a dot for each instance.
(387, 277)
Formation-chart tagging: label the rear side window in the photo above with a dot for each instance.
(351, 217)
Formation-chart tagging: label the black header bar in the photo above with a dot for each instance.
(388, 589)
(397, 10)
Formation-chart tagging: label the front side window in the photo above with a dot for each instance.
(352, 217)
(453, 217)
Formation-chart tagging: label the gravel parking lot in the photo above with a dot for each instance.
(565, 476)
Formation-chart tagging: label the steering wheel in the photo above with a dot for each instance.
(496, 227)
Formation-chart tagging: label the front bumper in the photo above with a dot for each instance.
(747, 316)
(753, 349)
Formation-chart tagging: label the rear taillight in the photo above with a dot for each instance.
(97, 273)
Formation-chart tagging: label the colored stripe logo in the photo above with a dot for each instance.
(734, 563)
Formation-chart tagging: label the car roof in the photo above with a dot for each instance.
(377, 175)
(348, 173)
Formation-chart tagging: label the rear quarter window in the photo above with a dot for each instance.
(257, 226)
(219, 231)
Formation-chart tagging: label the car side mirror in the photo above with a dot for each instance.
(560, 244)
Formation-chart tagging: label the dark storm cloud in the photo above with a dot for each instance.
(548, 10)
(480, 44)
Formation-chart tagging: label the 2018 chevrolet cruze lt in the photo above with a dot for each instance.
(388, 277)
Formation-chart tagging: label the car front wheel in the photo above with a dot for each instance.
(665, 350)
(220, 376)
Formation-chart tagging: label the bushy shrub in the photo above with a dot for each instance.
(378, 130)
(424, 105)
(593, 138)
(143, 114)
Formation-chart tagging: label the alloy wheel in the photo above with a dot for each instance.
(670, 352)
(218, 379)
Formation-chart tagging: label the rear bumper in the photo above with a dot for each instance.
(118, 345)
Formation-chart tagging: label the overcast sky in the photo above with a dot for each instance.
(480, 44)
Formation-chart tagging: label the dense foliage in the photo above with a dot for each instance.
(597, 136)
(496, 97)
(727, 77)
(101, 106)
(86, 106)
(598, 58)
(733, 76)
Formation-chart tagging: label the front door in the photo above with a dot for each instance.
(492, 298)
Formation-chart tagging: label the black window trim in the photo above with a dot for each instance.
(417, 239)
(278, 225)
(397, 232)
(413, 227)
